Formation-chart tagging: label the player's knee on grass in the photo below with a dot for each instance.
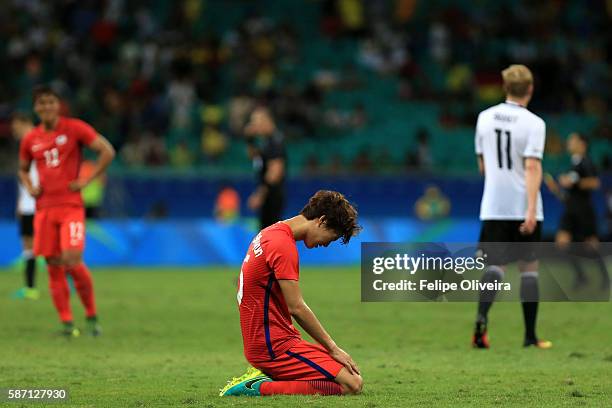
(72, 258)
(353, 386)
(350, 383)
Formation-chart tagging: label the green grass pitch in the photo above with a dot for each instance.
(172, 338)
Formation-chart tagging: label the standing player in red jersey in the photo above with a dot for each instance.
(269, 296)
(59, 223)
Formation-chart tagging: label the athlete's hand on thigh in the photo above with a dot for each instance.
(343, 358)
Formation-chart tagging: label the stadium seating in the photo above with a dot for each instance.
(392, 121)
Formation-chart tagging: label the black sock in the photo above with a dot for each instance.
(530, 296)
(603, 270)
(601, 264)
(30, 268)
(492, 274)
(580, 276)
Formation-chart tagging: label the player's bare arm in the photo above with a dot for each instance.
(256, 199)
(533, 180)
(553, 186)
(589, 183)
(274, 174)
(480, 161)
(585, 183)
(106, 153)
(309, 322)
(24, 178)
(252, 150)
(550, 182)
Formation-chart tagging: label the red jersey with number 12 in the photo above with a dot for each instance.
(58, 157)
(265, 320)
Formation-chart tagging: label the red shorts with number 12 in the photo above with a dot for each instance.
(57, 229)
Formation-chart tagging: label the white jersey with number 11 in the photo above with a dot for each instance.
(507, 134)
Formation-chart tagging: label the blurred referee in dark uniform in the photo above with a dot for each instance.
(579, 221)
(267, 150)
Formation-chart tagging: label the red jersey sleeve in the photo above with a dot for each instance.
(84, 132)
(25, 153)
(282, 257)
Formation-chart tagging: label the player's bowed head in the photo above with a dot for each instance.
(327, 217)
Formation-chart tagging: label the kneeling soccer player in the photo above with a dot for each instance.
(269, 295)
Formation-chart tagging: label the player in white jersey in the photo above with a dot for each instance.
(21, 124)
(510, 145)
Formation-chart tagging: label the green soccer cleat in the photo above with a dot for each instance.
(27, 294)
(246, 385)
(70, 331)
(93, 327)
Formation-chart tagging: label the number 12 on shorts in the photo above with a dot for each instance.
(76, 232)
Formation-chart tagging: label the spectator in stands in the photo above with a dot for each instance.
(136, 69)
(424, 158)
(93, 193)
(362, 163)
(132, 152)
(181, 156)
(227, 206)
(214, 142)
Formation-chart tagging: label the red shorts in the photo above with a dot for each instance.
(57, 229)
(302, 362)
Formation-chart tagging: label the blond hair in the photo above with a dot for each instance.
(517, 80)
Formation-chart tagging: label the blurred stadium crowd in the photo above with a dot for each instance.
(356, 85)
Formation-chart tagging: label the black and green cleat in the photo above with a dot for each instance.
(93, 327)
(69, 331)
(247, 384)
(26, 294)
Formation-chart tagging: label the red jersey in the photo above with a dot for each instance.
(58, 157)
(265, 321)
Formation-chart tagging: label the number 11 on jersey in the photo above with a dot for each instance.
(500, 148)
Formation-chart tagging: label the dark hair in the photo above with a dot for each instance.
(42, 90)
(339, 214)
(21, 117)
